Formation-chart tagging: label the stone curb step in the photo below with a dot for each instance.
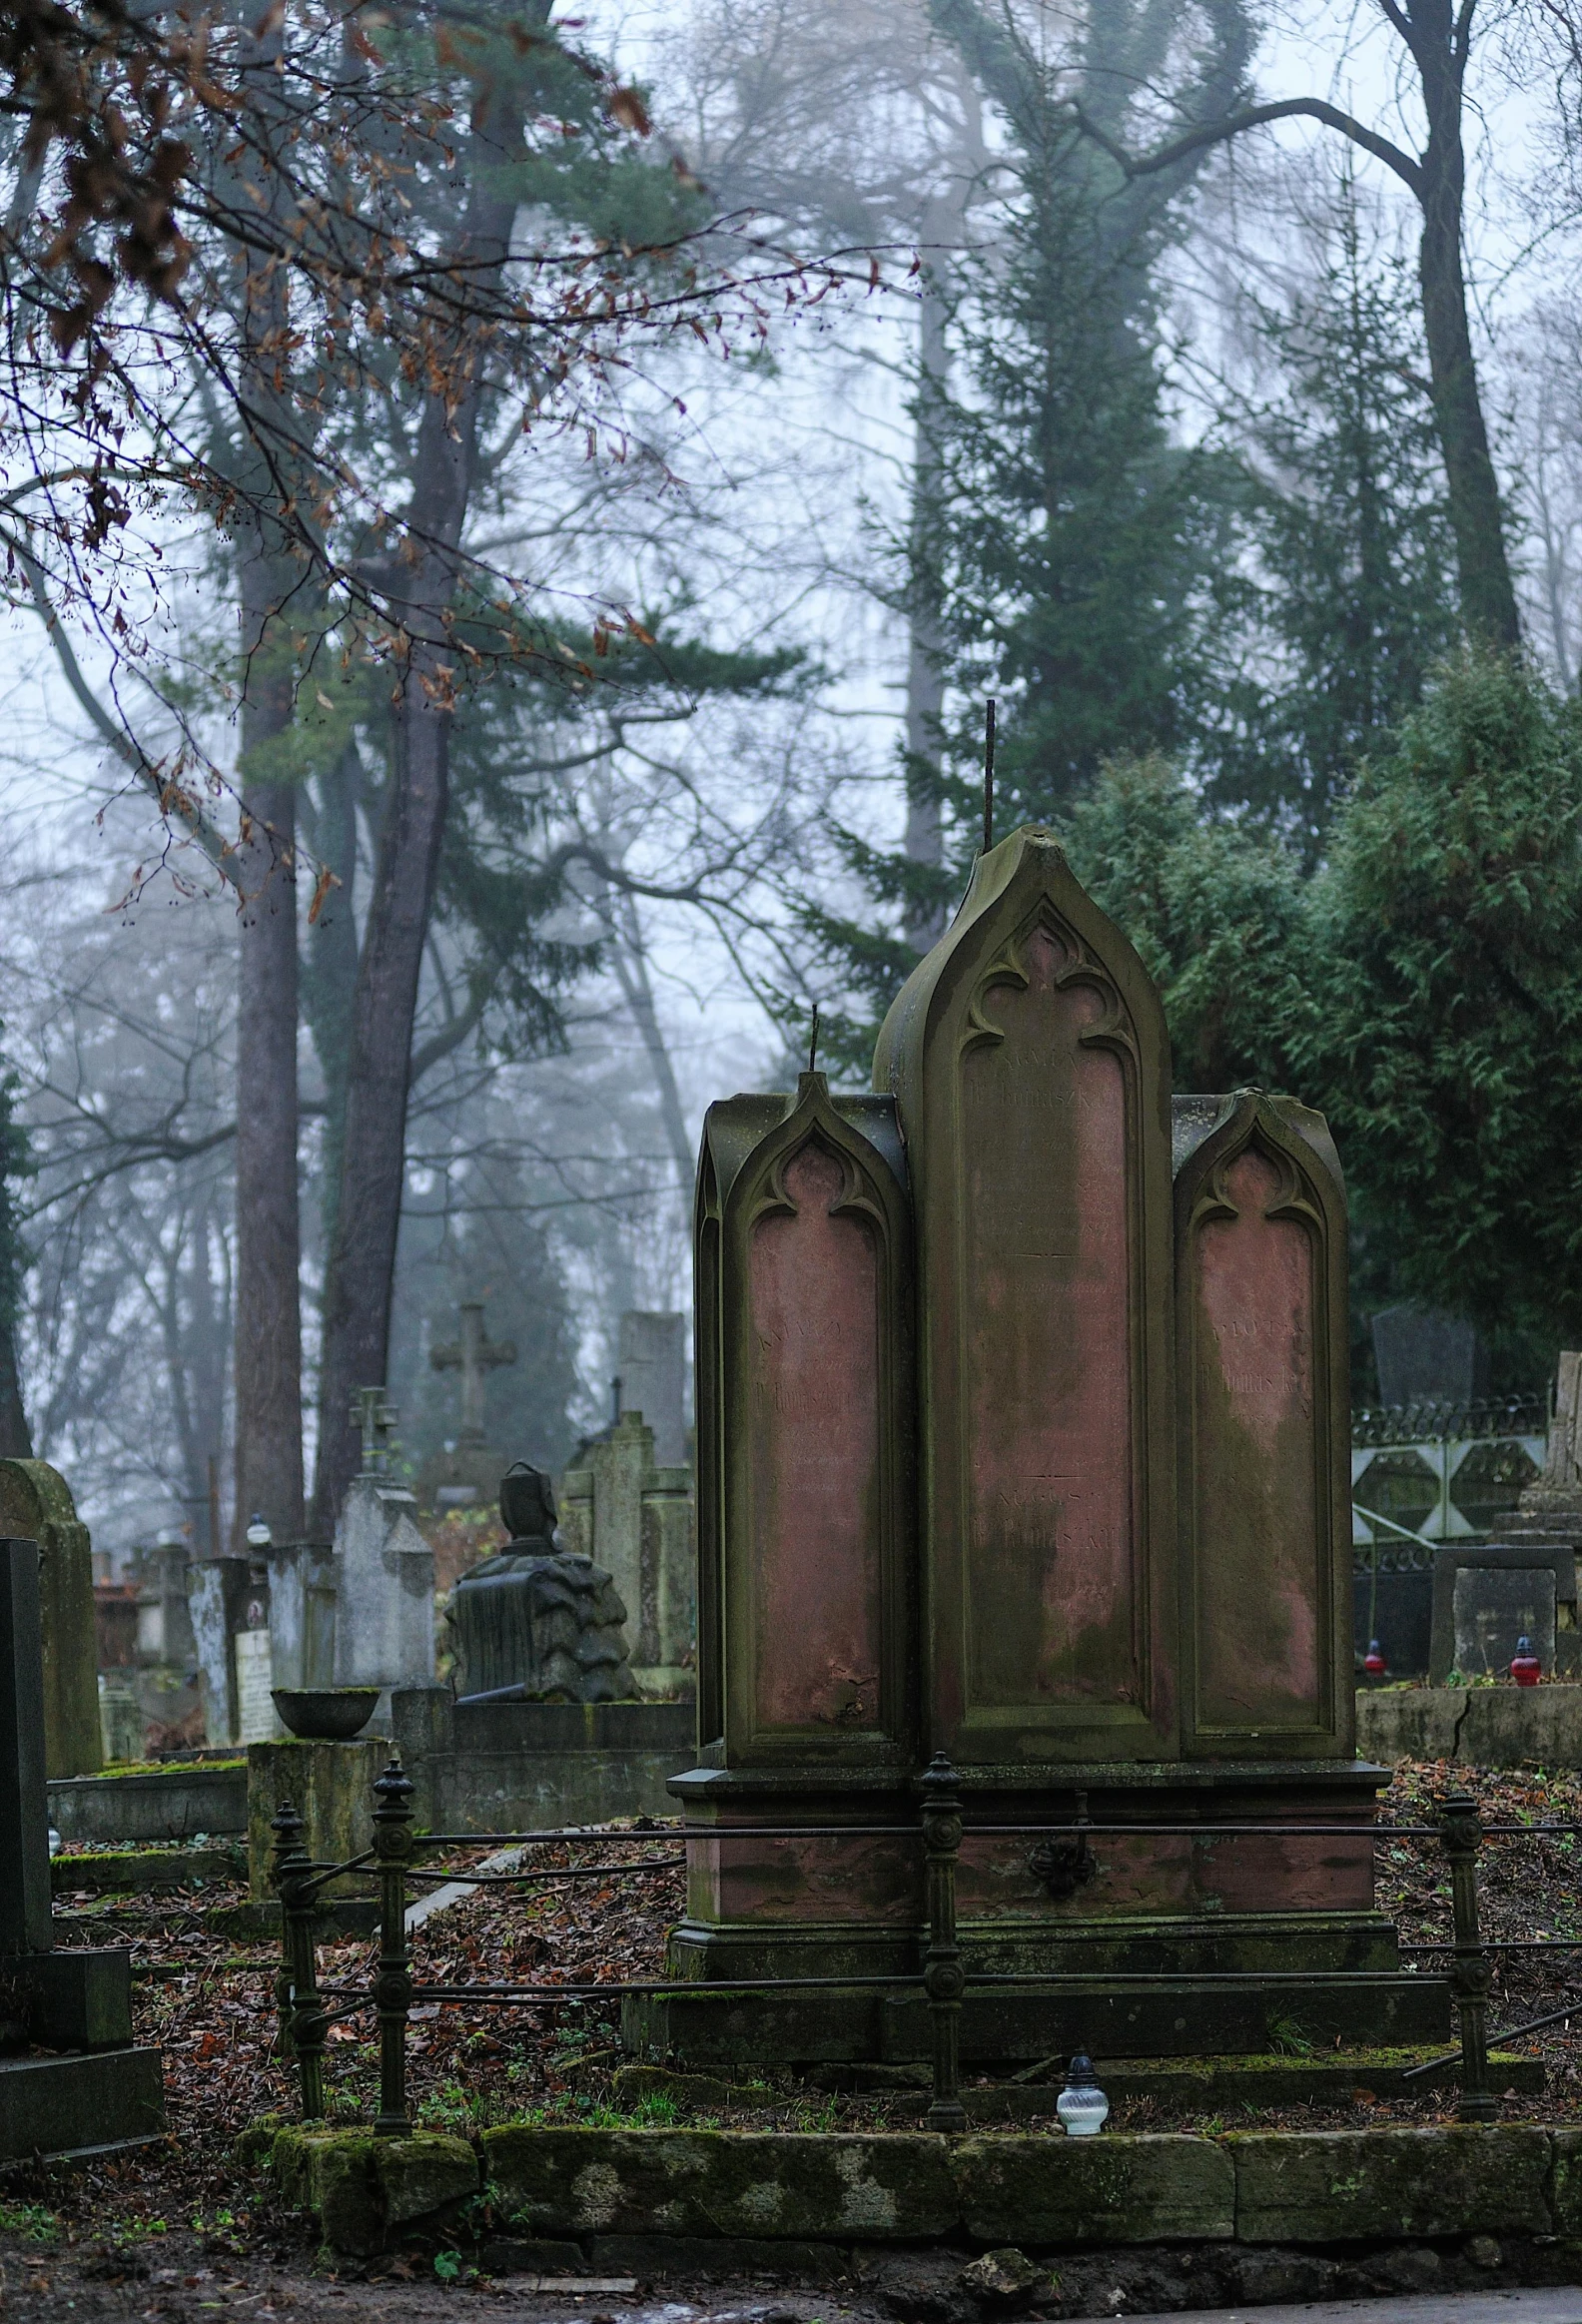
(1035, 2191)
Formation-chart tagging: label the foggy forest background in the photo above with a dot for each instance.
(1278, 594)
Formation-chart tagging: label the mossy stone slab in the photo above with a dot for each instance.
(1333, 2187)
(1566, 2186)
(823, 2186)
(422, 2175)
(1120, 2189)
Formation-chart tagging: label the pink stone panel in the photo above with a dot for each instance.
(1260, 1581)
(813, 1435)
(1051, 1599)
(863, 1877)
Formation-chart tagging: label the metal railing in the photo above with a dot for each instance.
(1063, 1857)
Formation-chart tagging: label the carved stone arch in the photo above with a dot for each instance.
(813, 1421)
(1265, 1489)
(1029, 1062)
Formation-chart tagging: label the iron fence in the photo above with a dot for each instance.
(1063, 1856)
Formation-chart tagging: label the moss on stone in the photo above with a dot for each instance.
(1112, 2189)
(828, 2186)
(423, 2177)
(1331, 2186)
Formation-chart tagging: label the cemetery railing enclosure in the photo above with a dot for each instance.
(306, 2008)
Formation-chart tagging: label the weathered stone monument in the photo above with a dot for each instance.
(635, 1518)
(77, 2000)
(36, 1505)
(468, 1470)
(384, 1568)
(651, 1364)
(540, 1622)
(1022, 1437)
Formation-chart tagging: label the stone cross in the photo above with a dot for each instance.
(375, 1418)
(474, 1356)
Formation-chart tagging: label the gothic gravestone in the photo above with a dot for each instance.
(36, 1505)
(1022, 1435)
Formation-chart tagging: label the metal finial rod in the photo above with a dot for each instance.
(813, 1041)
(989, 756)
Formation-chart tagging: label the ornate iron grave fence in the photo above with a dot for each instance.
(1423, 1475)
(1066, 1851)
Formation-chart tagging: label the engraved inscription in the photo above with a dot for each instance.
(813, 1435)
(1259, 1571)
(1049, 1363)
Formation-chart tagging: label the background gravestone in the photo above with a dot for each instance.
(36, 1505)
(1425, 1356)
(633, 1518)
(651, 1369)
(1494, 1606)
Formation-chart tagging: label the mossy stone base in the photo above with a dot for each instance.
(364, 2190)
(686, 2189)
(722, 2182)
(1150, 2189)
(1332, 2186)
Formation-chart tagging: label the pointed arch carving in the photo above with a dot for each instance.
(1029, 1059)
(813, 1401)
(1260, 1258)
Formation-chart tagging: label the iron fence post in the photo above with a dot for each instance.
(943, 1976)
(393, 1988)
(1469, 1968)
(304, 2023)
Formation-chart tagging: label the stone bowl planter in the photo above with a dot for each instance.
(326, 1714)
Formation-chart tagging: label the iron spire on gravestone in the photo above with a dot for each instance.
(475, 1355)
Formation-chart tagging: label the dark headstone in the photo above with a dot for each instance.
(24, 1797)
(1425, 1356)
(526, 1507)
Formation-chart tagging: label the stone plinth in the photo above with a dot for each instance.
(331, 1786)
(1022, 1437)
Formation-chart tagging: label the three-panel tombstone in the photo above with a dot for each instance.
(1023, 1436)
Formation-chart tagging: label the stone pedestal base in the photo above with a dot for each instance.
(76, 2105)
(1160, 1940)
(331, 1786)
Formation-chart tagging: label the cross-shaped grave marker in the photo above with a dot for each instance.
(475, 1355)
(373, 1416)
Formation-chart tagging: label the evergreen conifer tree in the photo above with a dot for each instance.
(1358, 595)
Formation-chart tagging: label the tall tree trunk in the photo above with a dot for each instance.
(16, 1442)
(268, 1455)
(360, 1276)
(1488, 595)
(268, 1360)
(925, 684)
